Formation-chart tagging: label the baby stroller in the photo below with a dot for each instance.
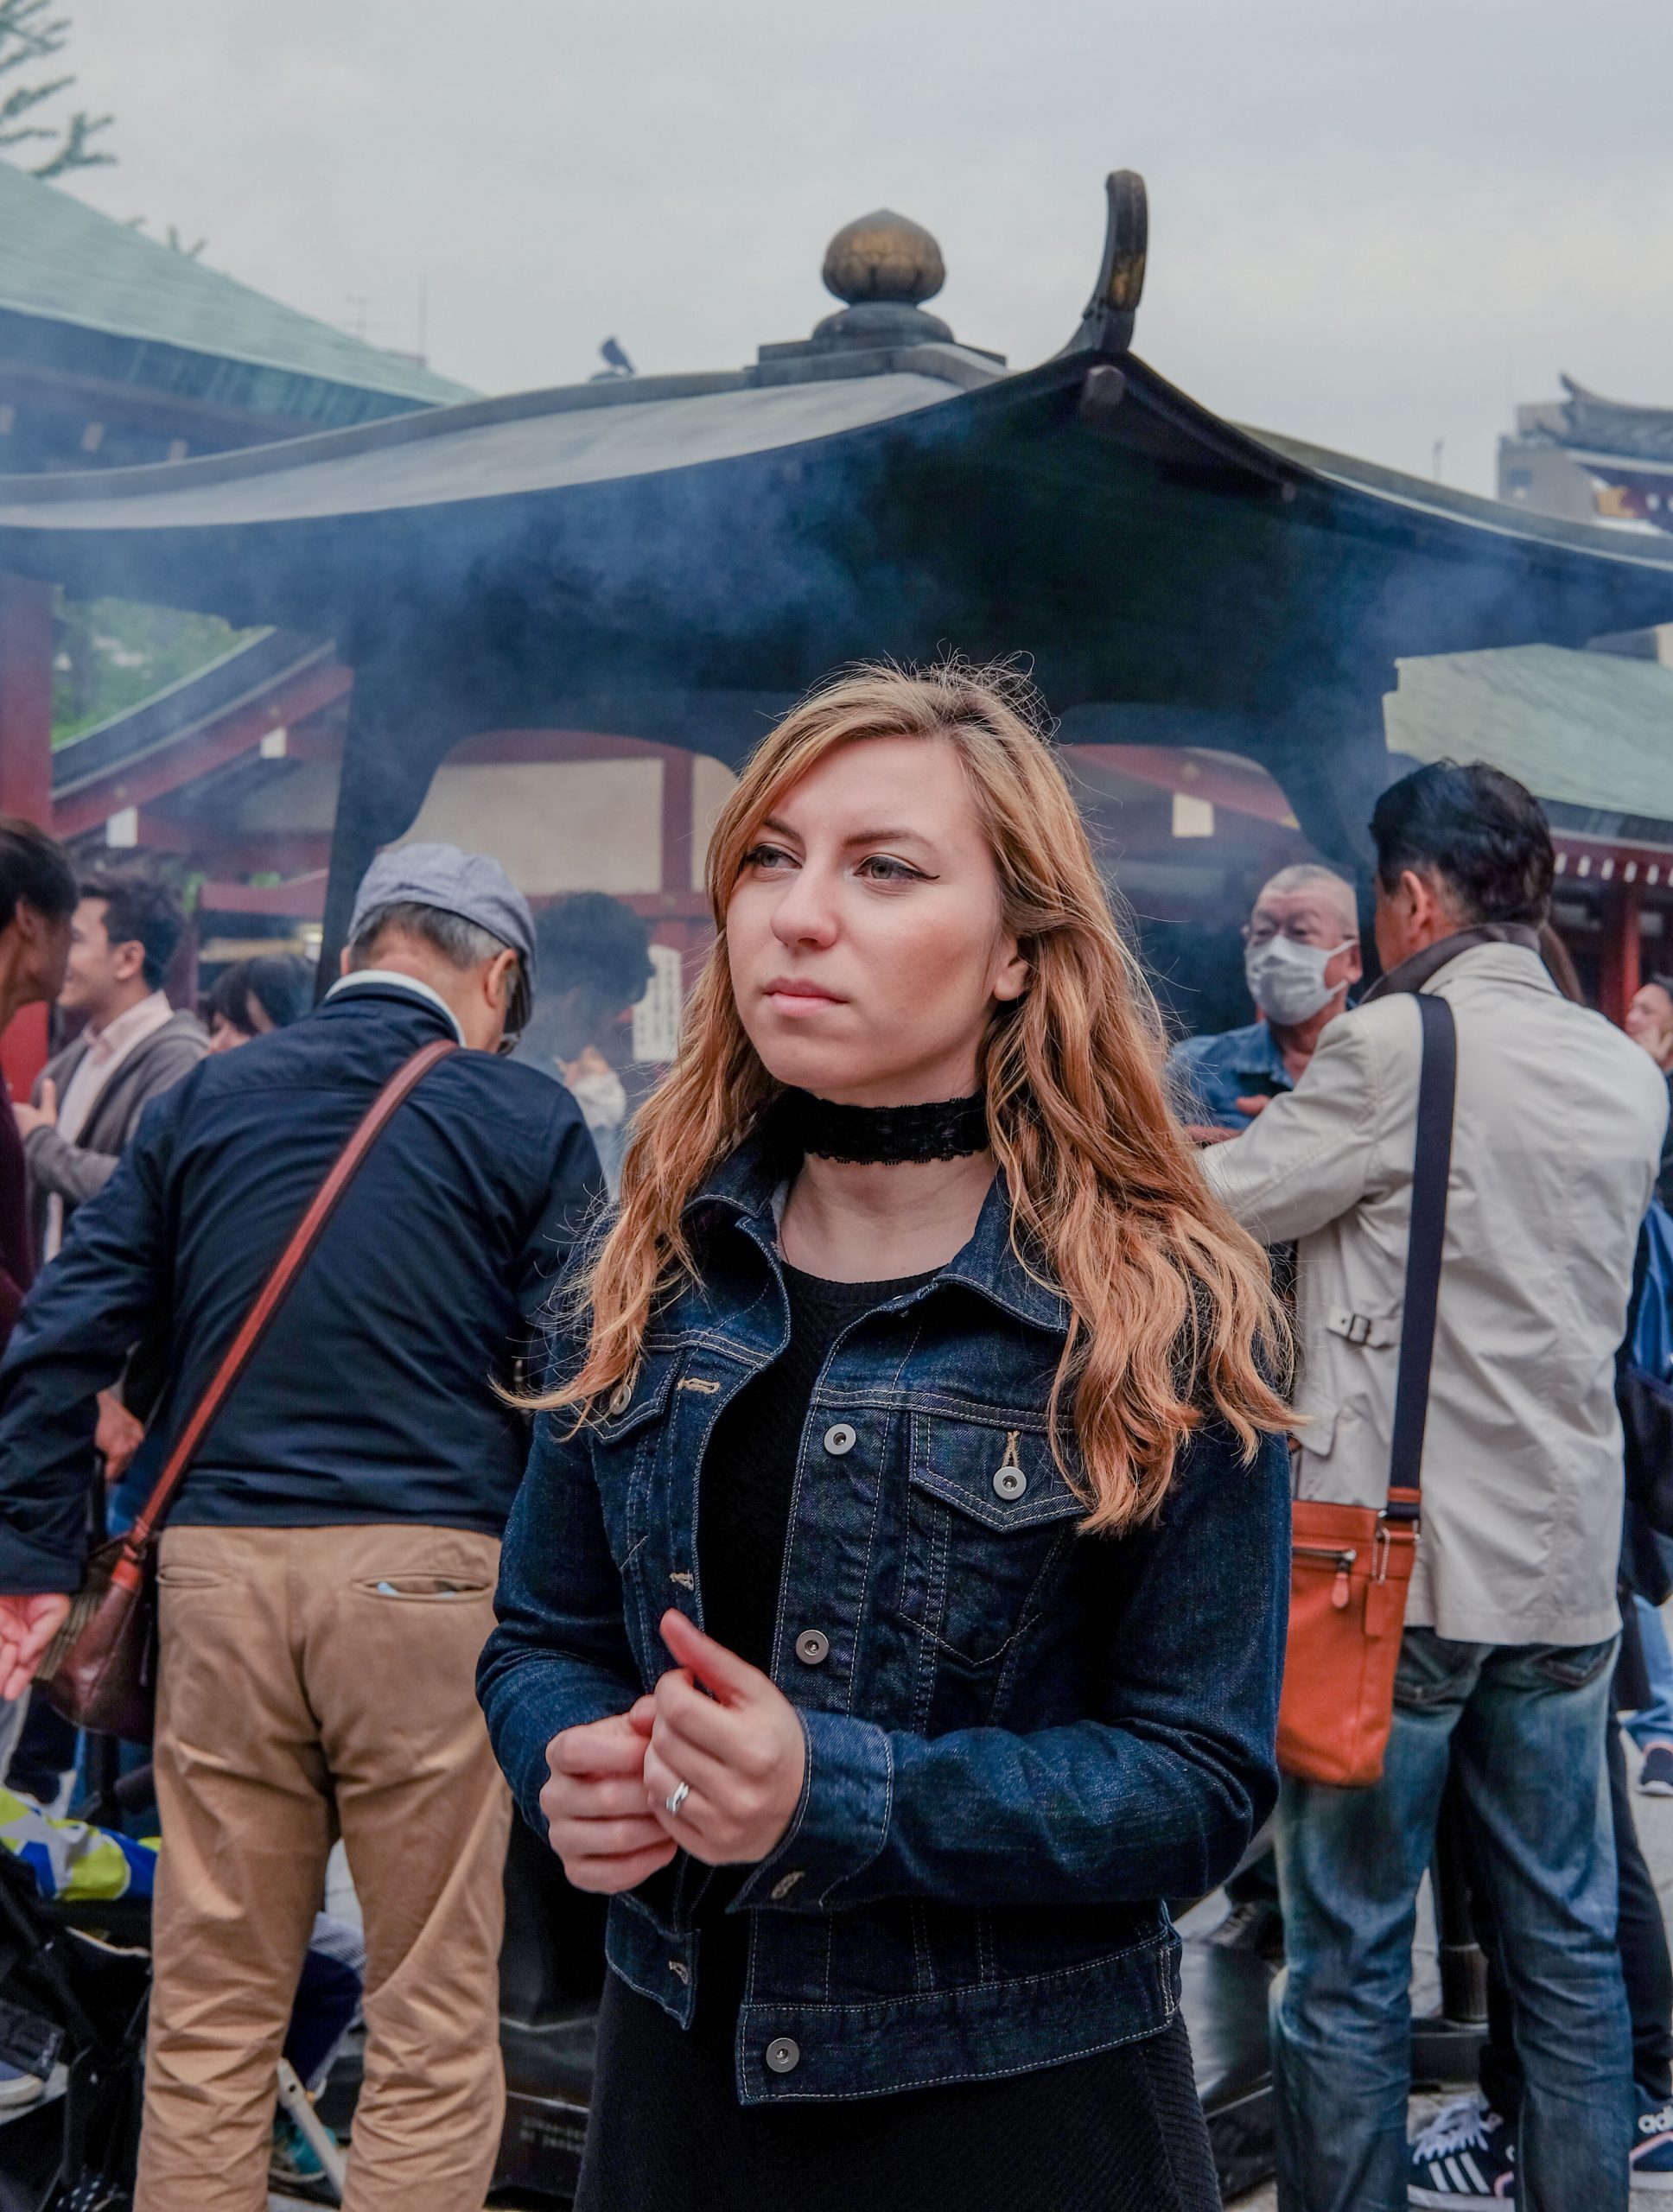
(74, 1978)
(75, 1932)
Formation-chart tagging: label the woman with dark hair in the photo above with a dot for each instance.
(254, 996)
(893, 1612)
(595, 964)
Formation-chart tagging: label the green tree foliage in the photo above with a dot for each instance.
(30, 35)
(112, 653)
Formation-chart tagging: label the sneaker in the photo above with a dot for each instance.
(1254, 1926)
(1656, 1775)
(1463, 2156)
(18, 2089)
(1651, 2159)
(294, 2167)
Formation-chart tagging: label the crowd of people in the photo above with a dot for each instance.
(920, 1382)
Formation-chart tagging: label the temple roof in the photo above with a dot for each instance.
(1591, 733)
(65, 263)
(686, 554)
(493, 448)
(1593, 424)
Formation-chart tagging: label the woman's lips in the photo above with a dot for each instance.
(793, 995)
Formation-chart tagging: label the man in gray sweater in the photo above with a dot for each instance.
(88, 1099)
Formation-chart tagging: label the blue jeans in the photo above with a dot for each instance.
(1654, 1725)
(1524, 1728)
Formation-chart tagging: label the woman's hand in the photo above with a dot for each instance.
(741, 1751)
(594, 1803)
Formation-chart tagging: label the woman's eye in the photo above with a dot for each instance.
(765, 857)
(879, 868)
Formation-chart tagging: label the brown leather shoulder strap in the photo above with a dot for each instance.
(306, 1236)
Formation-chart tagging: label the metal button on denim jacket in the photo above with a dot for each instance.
(1019, 1738)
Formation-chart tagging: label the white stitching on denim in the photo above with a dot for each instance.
(855, 1872)
(1049, 1566)
(864, 1589)
(1162, 1946)
(998, 2074)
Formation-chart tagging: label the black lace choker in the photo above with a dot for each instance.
(885, 1136)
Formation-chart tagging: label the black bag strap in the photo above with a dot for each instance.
(1437, 1086)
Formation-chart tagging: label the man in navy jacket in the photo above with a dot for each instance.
(327, 1570)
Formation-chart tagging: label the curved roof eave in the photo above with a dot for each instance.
(1419, 495)
(483, 449)
(546, 441)
(905, 496)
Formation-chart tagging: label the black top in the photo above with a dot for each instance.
(750, 1468)
(1121, 2131)
(743, 1525)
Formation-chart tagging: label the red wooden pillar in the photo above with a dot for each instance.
(1618, 962)
(26, 678)
(675, 819)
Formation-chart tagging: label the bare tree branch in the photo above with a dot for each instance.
(29, 35)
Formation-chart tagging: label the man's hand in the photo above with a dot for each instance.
(1253, 1107)
(594, 1803)
(741, 1750)
(43, 1116)
(118, 1436)
(1211, 1132)
(28, 1625)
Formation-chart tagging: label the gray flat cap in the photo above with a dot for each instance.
(471, 885)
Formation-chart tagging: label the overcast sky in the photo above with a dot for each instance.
(1374, 223)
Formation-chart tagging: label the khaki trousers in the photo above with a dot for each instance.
(315, 1681)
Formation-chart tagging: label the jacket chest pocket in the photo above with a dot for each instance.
(990, 1523)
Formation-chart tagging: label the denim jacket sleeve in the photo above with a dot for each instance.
(1156, 1794)
(560, 1655)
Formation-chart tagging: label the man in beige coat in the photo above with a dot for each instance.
(1511, 1625)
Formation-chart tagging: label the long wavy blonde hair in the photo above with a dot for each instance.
(1172, 1313)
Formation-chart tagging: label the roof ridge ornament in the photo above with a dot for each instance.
(1107, 325)
(882, 266)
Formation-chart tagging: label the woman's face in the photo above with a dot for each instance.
(226, 1036)
(1650, 1022)
(864, 934)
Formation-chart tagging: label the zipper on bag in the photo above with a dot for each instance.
(1344, 1557)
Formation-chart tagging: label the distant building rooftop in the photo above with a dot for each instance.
(1591, 423)
(92, 302)
(1590, 733)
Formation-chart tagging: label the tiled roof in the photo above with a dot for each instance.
(62, 261)
(1591, 730)
(1595, 424)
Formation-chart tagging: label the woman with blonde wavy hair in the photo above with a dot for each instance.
(892, 1615)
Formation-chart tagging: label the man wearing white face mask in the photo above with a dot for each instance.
(1302, 957)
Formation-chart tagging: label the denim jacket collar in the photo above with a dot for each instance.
(745, 1184)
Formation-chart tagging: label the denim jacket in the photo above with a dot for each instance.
(1019, 1739)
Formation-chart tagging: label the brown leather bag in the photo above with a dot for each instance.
(1350, 1565)
(100, 1668)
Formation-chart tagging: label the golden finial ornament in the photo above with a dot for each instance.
(884, 256)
